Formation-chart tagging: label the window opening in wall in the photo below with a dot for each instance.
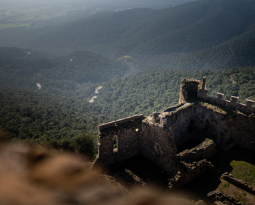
(115, 143)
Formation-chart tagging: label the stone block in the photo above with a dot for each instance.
(204, 81)
(249, 103)
(220, 96)
(234, 99)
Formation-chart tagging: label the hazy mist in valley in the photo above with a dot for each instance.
(134, 3)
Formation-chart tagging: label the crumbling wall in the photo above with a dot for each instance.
(211, 123)
(204, 150)
(158, 145)
(188, 89)
(233, 103)
(237, 127)
(228, 128)
(242, 129)
(189, 171)
(183, 123)
(128, 133)
(158, 136)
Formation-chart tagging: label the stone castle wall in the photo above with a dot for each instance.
(158, 136)
(158, 145)
(202, 94)
(127, 132)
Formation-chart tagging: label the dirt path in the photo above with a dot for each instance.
(95, 94)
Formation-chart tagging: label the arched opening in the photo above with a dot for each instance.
(115, 143)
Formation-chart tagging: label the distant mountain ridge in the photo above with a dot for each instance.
(189, 27)
(208, 34)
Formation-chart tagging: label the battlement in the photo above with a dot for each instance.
(195, 88)
(233, 103)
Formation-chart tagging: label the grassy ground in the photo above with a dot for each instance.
(244, 170)
(235, 192)
(238, 161)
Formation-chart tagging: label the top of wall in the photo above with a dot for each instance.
(119, 122)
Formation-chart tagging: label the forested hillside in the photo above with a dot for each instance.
(24, 53)
(238, 54)
(63, 75)
(41, 118)
(63, 122)
(157, 88)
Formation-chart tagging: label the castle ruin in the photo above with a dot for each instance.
(180, 139)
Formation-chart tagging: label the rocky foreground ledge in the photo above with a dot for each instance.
(35, 175)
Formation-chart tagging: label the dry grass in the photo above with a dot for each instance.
(237, 193)
(214, 107)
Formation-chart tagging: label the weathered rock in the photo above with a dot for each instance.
(32, 176)
(204, 150)
(189, 172)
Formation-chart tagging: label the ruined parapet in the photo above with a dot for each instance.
(204, 150)
(189, 89)
(119, 122)
(196, 89)
(220, 99)
(233, 103)
(250, 106)
(158, 145)
(223, 197)
(189, 171)
(126, 132)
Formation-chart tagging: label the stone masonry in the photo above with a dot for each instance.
(214, 123)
